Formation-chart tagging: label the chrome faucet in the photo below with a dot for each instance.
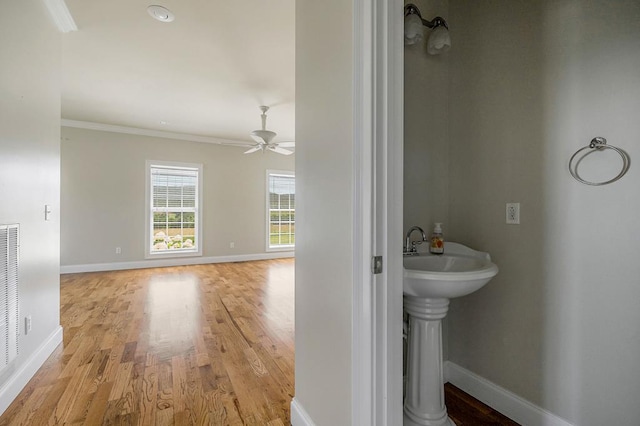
(410, 248)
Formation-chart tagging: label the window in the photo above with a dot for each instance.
(281, 195)
(173, 203)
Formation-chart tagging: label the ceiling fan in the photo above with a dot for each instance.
(264, 138)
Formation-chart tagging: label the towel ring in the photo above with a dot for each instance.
(599, 143)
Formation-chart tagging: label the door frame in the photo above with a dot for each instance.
(378, 198)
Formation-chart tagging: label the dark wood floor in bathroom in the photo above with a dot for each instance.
(465, 410)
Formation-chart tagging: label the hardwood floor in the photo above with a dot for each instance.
(196, 345)
(206, 344)
(465, 410)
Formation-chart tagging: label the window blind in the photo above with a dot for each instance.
(282, 194)
(174, 208)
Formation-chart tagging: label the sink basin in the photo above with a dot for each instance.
(458, 272)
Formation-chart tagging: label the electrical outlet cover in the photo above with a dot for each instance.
(513, 213)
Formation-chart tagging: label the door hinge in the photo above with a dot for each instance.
(376, 264)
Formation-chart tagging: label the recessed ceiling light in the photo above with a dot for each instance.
(160, 13)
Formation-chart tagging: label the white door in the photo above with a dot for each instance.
(377, 355)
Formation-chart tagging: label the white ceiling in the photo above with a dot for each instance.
(205, 74)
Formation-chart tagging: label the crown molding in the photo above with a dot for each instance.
(61, 16)
(147, 132)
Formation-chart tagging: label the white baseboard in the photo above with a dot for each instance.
(19, 379)
(177, 261)
(511, 405)
(299, 416)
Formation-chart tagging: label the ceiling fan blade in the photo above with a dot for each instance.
(287, 144)
(254, 149)
(257, 138)
(279, 150)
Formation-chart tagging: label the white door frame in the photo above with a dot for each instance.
(378, 190)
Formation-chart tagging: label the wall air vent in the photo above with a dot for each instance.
(9, 248)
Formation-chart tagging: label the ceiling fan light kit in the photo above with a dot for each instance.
(263, 135)
(264, 138)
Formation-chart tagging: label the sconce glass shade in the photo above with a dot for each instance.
(413, 29)
(439, 40)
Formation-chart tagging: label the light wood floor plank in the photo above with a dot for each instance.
(196, 345)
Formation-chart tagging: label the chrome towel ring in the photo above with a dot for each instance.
(598, 143)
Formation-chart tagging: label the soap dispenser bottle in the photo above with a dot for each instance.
(437, 240)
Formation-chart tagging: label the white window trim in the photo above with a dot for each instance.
(268, 247)
(148, 211)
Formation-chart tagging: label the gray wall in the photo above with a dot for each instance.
(530, 83)
(426, 130)
(324, 260)
(29, 163)
(103, 194)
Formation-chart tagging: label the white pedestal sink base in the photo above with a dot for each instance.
(424, 401)
(428, 282)
(408, 422)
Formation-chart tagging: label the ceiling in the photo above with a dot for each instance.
(204, 74)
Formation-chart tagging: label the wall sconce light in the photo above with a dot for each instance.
(439, 39)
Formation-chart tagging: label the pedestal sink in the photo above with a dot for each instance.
(429, 282)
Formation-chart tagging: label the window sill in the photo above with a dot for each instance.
(170, 254)
(281, 248)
